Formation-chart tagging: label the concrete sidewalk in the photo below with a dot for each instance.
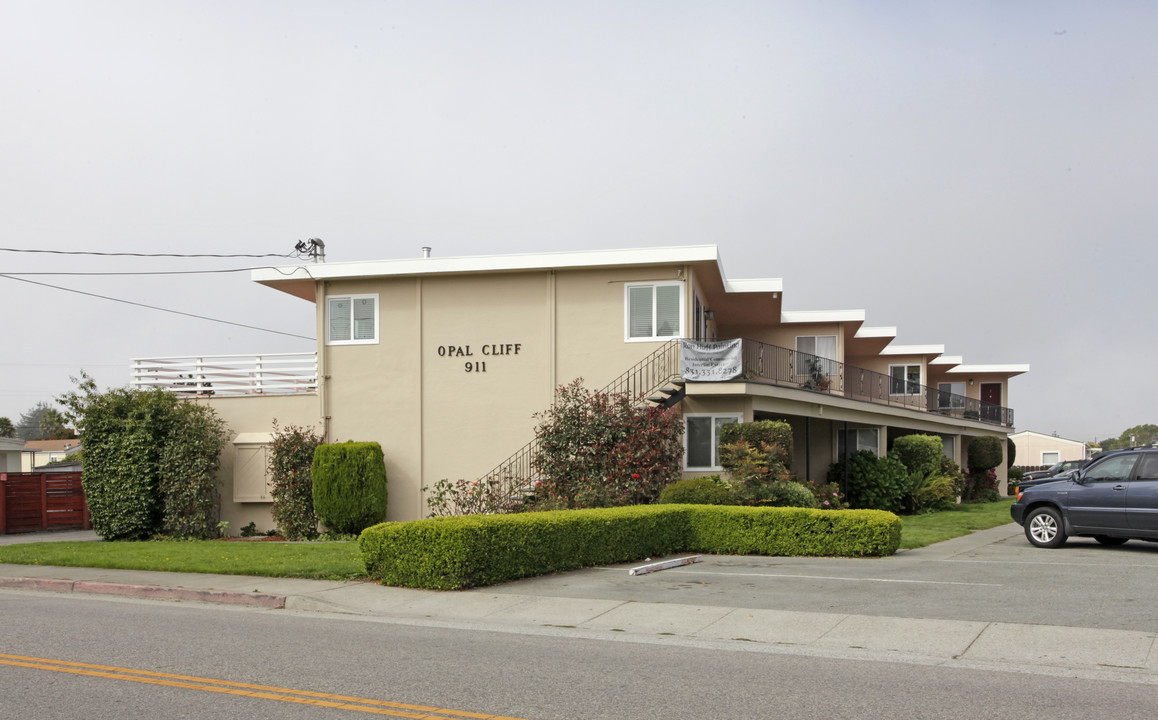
(1070, 651)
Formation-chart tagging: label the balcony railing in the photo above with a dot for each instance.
(786, 367)
(229, 375)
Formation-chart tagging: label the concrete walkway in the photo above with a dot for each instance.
(1069, 651)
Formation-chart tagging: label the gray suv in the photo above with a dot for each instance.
(1113, 499)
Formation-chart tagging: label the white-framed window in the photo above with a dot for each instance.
(858, 439)
(904, 379)
(702, 439)
(352, 320)
(1050, 458)
(950, 396)
(948, 447)
(653, 311)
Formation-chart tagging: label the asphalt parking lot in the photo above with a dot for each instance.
(991, 576)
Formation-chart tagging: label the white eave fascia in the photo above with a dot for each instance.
(1010, 370)
(947, 360)
(754, 285)
(11, 444)
(876, 332)
(489, 263)
(914, 350)
(821, 316)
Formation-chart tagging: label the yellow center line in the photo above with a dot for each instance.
(228, 687)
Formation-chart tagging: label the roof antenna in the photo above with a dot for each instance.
(313, 247)
(425, 252)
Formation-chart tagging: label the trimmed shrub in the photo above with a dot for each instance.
(984, 453)
(291, 459)
(1010, 452)
(787, 493)
(874, 483)
(450, 553)
(981, 480)
(919, 453)
(707, 490)
(349, 486)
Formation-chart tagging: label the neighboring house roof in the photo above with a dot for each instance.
(1030, 433)
(11, 444)
(69, 446)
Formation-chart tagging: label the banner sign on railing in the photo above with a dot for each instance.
(710, 360)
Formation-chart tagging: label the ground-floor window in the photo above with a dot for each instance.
(702, 439)
(948, 447)
(858, 439)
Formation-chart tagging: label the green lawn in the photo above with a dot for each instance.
(321, 560)
(341, 560)
(922, 530)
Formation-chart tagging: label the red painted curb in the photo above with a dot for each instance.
(153, 592)
(37, 584)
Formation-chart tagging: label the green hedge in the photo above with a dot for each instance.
(451, 553)
(349, 486)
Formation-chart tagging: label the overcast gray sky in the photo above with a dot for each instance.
(978, 174)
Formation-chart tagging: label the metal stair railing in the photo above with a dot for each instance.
(512, 478)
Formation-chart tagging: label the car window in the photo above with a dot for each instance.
(1115, 469)
(1148, 468)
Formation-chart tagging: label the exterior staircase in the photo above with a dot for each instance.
(655, 380)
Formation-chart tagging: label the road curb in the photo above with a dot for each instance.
(151, 592)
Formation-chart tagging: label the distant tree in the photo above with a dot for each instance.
(43, 422)
(7, 429)
(1138, 435)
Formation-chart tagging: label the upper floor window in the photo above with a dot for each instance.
(950, 396)
(816, 353)
(352, 319)
(904, 379)
(653, 311)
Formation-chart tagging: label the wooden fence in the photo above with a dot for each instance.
(42, 501)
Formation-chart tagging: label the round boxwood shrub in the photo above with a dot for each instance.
(706, 490)
(349, 486)
(788, 493)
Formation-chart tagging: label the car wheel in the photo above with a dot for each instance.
(1111, 541)
(1043, 528)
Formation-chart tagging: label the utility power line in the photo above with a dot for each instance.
(156, 255)
(154, 307)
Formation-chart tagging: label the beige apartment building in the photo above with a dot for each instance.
(445, 361)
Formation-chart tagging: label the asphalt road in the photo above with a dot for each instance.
(452, 671)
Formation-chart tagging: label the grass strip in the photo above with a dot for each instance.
(921, 530)
(315, 561)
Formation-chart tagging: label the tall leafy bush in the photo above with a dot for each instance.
(291, 458)
(190, 459)
(149, 460)
(756, 457)
(349, 485)
(602, 450)
(874, 483)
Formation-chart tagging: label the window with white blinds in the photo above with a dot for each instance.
(352, 319)
(654, 311)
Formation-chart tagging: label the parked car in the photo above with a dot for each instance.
(1061, 468)
(1113, 499)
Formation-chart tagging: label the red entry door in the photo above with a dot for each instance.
(991, 402)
